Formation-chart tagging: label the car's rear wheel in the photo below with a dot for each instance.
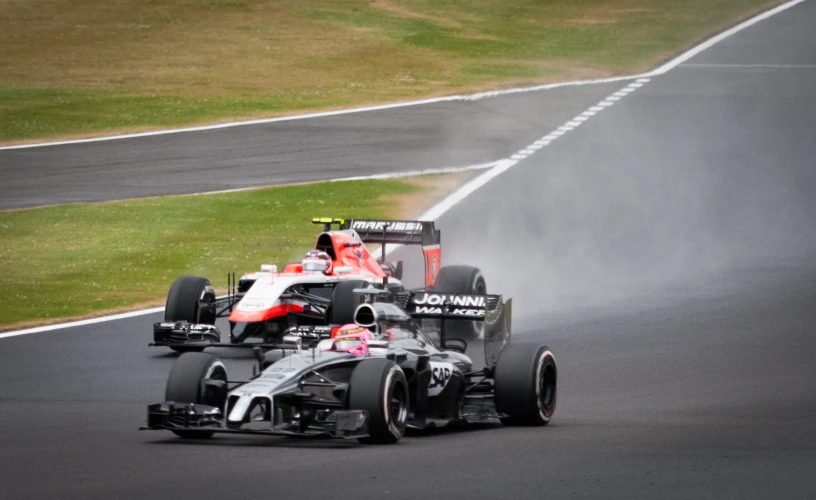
(461, 280)
(190, 299)
(525, 384)
(344, 302)
(379, 387)
(186, 384)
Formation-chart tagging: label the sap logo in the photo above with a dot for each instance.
(438, 299)
(386, 226)
(440, 375)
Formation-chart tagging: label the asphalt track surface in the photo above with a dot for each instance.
(446, 134)
(664, 250)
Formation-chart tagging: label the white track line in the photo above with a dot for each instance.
(416, 173)
(749, 66)
(685, 56)
(263, 121)
(391, 175)
(83, 322)
(465, 190)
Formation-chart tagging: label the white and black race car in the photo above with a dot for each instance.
(399, 378)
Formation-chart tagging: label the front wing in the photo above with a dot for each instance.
(347, 424)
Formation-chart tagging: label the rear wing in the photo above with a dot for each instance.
(489, 309)
(396, 232)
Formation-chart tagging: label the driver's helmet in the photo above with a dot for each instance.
(352, 338)
(316, 261)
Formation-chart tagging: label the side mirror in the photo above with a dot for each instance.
(398, 271)
(455, 345)
(269, 268)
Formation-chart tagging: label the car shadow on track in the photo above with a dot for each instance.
(320, 443)
(222, 353)
(262, 441)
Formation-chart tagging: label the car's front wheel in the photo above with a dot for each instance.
(379, 387)
(186, 384)
(190, 299)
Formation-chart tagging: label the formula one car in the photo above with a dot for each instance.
(263, 307)
(369, 382)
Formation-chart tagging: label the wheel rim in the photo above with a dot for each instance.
(216, 372)
(206, 315)
(480, 288)
(397, 407)
(546, 391)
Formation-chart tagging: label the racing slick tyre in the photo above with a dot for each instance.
(190, 299)
(378, 386)
(344, 302)
(186, 385)
(461, 279)
(525, 384)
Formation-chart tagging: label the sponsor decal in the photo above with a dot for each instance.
(438, 299)
(352, 331)
(434, 266)
(440, 375)
(252, 305)
(359, 254)
(459, 305)
(387, 226)
(476, 313)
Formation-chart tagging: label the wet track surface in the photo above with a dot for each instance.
(665, 250)
(447, 134)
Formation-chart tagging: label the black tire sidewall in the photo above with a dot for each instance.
(183, 300)
(461, 280)
(187, 374)
(370, 389)
(519, 385)
(344, 302)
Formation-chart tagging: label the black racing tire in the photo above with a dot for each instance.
(184, 385)
(461, 279)
(184, 303)
(525, 384)
(378, 386)
(344, 302)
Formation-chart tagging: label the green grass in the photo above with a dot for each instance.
(84, 67)
(74, 260)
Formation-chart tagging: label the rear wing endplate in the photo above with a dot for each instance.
(489, 309)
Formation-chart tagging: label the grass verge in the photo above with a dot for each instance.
(72, 68)
(71, 261)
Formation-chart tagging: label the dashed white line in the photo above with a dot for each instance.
(503, 165)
